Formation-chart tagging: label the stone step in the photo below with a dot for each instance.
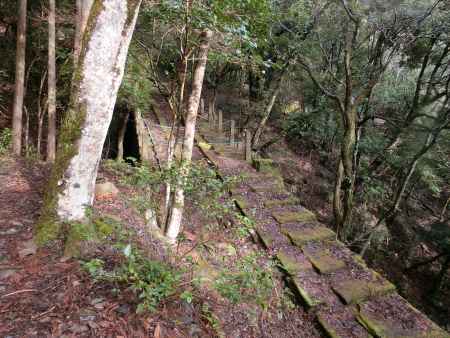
(361, 288)
(270, 236)
(293, 260)
(341, 322)
(284, 217)
(267, 187)
(275, 203)
(392, 317)
(325, 263)
(301, 234)
(314, 289)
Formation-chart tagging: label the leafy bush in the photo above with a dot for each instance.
(152, 281)
(5, 140)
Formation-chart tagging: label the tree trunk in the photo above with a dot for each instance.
(82, 16)
(20, 78)
(266, 116)
(121, 136)
(97, 79)
(51, 136)
(77, 38)
(174, 224)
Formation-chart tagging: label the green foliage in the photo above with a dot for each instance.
(136, 87)
(152, 281)
(318, 127)
(244, 226)
(5, 140)
(202, 186)
(248, 281)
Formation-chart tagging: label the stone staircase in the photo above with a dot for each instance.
(347, 298)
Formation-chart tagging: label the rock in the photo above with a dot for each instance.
(87, 315)
(98, 303)
(28, 248)
(150, 218)
(106, 190)
(6, 273)
(17, 224)
(123, 309)
(10, 231)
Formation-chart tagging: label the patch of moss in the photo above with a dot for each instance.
(290, 264)
(104, 227)
(330, 331)
(278, 203)
(302, 236)
(293, 217)
(356, 291)
(78, 234)
(307, 298)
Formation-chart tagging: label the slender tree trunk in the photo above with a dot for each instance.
(174, 225)
(20, 78)
(82, 16)
(175, 130)
(51, 136)
(27, 130)
(121, 136)
(71, 189)
(266, 116)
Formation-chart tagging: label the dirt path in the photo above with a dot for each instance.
(43, 294)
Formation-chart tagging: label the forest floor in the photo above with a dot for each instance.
(43, 293)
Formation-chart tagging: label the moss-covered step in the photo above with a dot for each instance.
(359, 290)
(241, 202)
(284, 217)
(293, 260)
(281, 202)
(393, 317)
(270, 236)
(271, 186)
(314, 289)
(302, 235)
(340, 322)
(324, 262)
(263, 164)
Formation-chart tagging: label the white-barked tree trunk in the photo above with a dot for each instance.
(94, 91)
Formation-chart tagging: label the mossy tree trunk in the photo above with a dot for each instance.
(82, 16)
(96, 82)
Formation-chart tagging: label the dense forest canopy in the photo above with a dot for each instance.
(355, 90)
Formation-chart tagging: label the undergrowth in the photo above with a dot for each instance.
(248, 281)
(152, 281)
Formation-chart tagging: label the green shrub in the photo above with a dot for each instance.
(5, 140)
(151, 281)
